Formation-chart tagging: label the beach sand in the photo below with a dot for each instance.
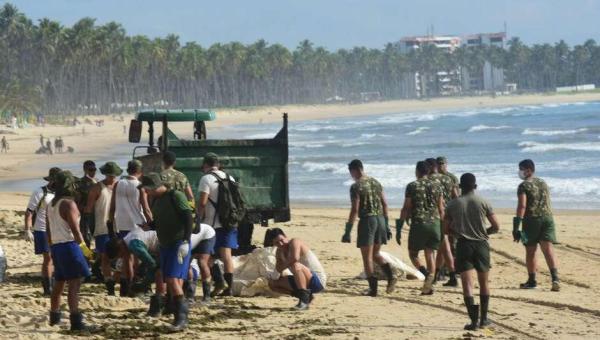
(340, 312)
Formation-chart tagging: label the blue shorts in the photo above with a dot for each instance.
(226, 238)
(40, 242)
(314, 285)
(101, 241)
(121, 234)
(169, 266)
(69, 262)
(205, 247)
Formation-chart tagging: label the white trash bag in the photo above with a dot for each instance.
(399, 269)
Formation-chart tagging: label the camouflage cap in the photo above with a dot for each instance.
(134, 166)
(210, 158)
(442, 160)
(52, 174)
(150, 181)
(64, 183)
(111, 169)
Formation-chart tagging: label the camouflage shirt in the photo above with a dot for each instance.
(83, 186)
(368, 190)
(174, 179)
(446, 184)
(538, 197)
(424, 194)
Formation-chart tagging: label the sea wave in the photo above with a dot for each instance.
(478, 128)
(538, 132)
(529, 146)
(418, 131)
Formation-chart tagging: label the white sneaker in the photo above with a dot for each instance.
(556, 286)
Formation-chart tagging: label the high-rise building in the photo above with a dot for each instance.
(488, 78)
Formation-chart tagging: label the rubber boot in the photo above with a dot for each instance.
(303, 299)
(46, 286)
(169, 305)
(180, 320)
(484, 301)
(155, 306)
(219, 286)
(110, 287)
(55, 317)
(205, 291)
(473, 311)
(189, 289)
(229, 280)
(77, 322)
(372, 286)
(124, 287)
(391, 280)
(452, 282)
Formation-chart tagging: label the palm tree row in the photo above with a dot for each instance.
(88, 68)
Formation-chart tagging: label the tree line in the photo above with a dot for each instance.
(88, 68)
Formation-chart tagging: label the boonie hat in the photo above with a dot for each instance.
(150, 181)
(210, 157)
(52, 174)
(111, 169)
(442, 160)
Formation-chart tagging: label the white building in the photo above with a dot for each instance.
(489, 78)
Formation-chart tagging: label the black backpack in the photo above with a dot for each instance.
(230, 205)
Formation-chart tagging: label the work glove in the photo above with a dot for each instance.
(387, 228)
(183, 251)
(491, 231)
(87, 252)
(348, 229)
(516, 232)
(192, 205)
(28, 235)
(399, 225)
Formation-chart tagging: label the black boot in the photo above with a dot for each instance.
(473, 311)
(205, 291)
(372, 286)
(169, 305)
(181, 314)
(452, 282)
(303, 299)
(155, 306)
(189, 289)
(391, 280)
(77, 322)
(123, 288)
(229, 280)
(46, 285)
(110, 287)
(55, 317)
(484, 301)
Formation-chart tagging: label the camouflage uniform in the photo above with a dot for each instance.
(174, 179)
(371, 224)
(446, 184)
(83, 187)
(538, 223)
(425, 231)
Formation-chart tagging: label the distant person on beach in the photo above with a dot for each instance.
(35, 216)
(368, 203)
(41, 140)
(174, 223)
(454, 192)
(96, 211)
(84, 185)
(69, 252)
(534, 210)
(465, 218)
(4, 144)
(424, 206)
(49, 147)
(308, 276)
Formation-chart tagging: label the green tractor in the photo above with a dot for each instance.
(259, 165)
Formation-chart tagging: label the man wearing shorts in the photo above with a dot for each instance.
(173, 221)
(84, 185)
(535, 212)
(203, 245)
(308, 276)
(370, 206)
(36, 207)
(424, 206)
(68, 250)
(465, 219)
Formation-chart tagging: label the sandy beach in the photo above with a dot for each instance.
(339, 313)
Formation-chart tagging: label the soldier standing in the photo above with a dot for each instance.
(370, 206)
(424, 206)
(84, 184)
(174, 179)
(535, 212)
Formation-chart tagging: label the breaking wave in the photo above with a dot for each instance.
(478, 128)
(538, 132)
(545, 147)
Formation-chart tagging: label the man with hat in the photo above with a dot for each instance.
(68, 249)
(173, 222)
(226, 236)
(98, 205)
(36, 215)
(84, 185)
(174, 179)
(465, 218)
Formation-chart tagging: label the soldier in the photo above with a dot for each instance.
(535, 212)
(174, 179)
(36, 215)
(68, 250)
(370, 206)
(84, 184)
(465, 219)
(444, 255)
(173, 221)
(98, 206)
(424, 206)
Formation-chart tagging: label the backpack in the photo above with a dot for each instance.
(39, 205)
(230, 205)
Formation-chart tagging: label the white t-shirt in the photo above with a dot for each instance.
(210, 185)
(149, 238)
(34, 201)
(206, 232)
(128, 210)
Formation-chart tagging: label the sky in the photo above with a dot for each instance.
(333, 24)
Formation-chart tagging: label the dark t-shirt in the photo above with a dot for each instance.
(468, 214)
(168, 211)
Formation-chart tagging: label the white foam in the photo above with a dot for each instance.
(267, 135)
(418, 131)
(478, 128)
(537, 132)
(545, 147)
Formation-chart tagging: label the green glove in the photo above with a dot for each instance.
(348, 229)
(399, 225)
(387, 228)
(516, 224)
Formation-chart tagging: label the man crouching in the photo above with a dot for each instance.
(308, 276)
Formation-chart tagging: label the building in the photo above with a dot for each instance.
(489, 78)
(449, 43)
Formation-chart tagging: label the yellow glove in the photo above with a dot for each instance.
(192, 205)
(87, 252)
